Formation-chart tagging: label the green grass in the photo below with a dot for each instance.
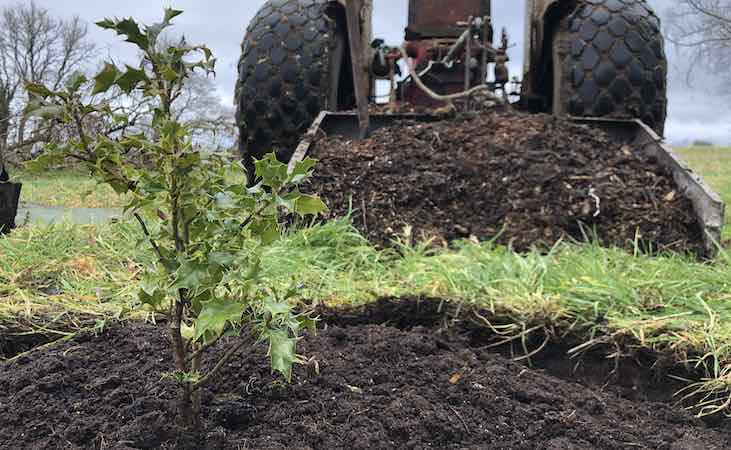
(714, 165)
(66, 187)
(54, 278)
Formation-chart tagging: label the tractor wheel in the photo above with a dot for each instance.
(609, 61)
(289, 71)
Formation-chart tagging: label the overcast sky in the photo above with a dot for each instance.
(695, 113)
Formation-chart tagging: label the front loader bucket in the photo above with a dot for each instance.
(707, 205)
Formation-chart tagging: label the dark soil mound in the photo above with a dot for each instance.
(538, 178)
(377, 387)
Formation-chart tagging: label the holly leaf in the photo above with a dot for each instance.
(105, 79)
(275, 307)
(51, 157)
(129, 80)
(38, 89)
(272, 172)
(215, 315)
(191, 275)
(131, 29)
(302, 170)
(221, 258)
(170, 14)
(168, 74)
(155, 299)
(187, 331)
(75, 80)
(309, 205)
(225, 200)
(282, 354)
(266, 229)
(45, 111)
(307, 323)
(119, 186)
(107, 24)
(288, 201)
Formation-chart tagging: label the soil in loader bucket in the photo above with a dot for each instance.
(530, 180)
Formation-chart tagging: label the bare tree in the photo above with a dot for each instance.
(701, 29)
(35, 47)
(210, 122)
(8, 90)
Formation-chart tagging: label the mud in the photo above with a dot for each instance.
(405, 384)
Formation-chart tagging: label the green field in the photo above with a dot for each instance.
(66, 187)
(714, 165)
(60, 278)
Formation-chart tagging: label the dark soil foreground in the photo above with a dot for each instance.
(535, 177)
(377, 387)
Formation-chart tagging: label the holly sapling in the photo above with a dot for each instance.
(205, 228)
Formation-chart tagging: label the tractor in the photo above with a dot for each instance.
(584, 58)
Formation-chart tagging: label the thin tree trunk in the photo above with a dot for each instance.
(196, 395)
(5, 99)
(21, 128)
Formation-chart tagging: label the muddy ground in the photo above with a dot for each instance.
(403, 385)
(535, 178)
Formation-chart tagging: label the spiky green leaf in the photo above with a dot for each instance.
(75, 81)
(131, 78)
(276, 307)
(282, 352)
(215, 315)
(130, 28)
(272, 172)
(302, 170)
(170, 14)
(38, 89)
(266, 229)
(156, 299)
(168, 74)
(108, 24)
(191, 275)
(309, 205)
(105, 79)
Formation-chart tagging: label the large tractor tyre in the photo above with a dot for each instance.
(289, 71)
(609, 61)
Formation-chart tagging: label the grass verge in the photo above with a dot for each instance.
(71, 188)
(714, 165)
(50, 275)
(56, 280)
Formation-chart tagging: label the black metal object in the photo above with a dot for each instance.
(9, 198)
(284, 75)
(614, 63)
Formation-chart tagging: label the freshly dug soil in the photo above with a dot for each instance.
(377, 387)
(536, 178)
